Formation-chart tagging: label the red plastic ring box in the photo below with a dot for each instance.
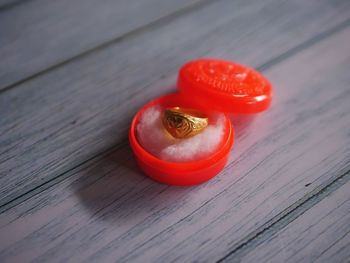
(208, 85)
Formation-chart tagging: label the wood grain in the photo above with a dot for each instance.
(322, 234)
(55, 122)
(109, 212)
(36, 35)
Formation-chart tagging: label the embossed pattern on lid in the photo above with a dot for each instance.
(225, 85)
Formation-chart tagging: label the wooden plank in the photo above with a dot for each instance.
(110, 212)
(38, 34)
(322, 234)
(57, 121)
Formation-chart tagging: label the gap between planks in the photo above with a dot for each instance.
(285, 217)
(66, 174)
(138, 30)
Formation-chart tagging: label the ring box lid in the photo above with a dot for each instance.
(224, 86)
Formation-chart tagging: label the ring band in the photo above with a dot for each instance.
(184, 123)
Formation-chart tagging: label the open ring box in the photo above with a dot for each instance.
(209, 86)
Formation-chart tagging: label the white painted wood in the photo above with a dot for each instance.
(109, 212)
(35, 35)
(322, 234)
(57, 121)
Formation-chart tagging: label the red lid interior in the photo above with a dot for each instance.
(224, 86)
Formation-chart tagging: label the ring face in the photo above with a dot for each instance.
(184, 123)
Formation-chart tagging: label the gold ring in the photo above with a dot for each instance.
(184, 123)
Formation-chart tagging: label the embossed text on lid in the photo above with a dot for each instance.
(225, 85)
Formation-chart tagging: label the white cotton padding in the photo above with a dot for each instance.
(156, 140)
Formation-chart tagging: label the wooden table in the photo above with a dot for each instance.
(74, 72)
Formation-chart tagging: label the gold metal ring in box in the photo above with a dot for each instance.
(184, 123)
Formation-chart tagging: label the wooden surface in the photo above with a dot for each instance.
(44, 34)
(72, 75)
(320, 234)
